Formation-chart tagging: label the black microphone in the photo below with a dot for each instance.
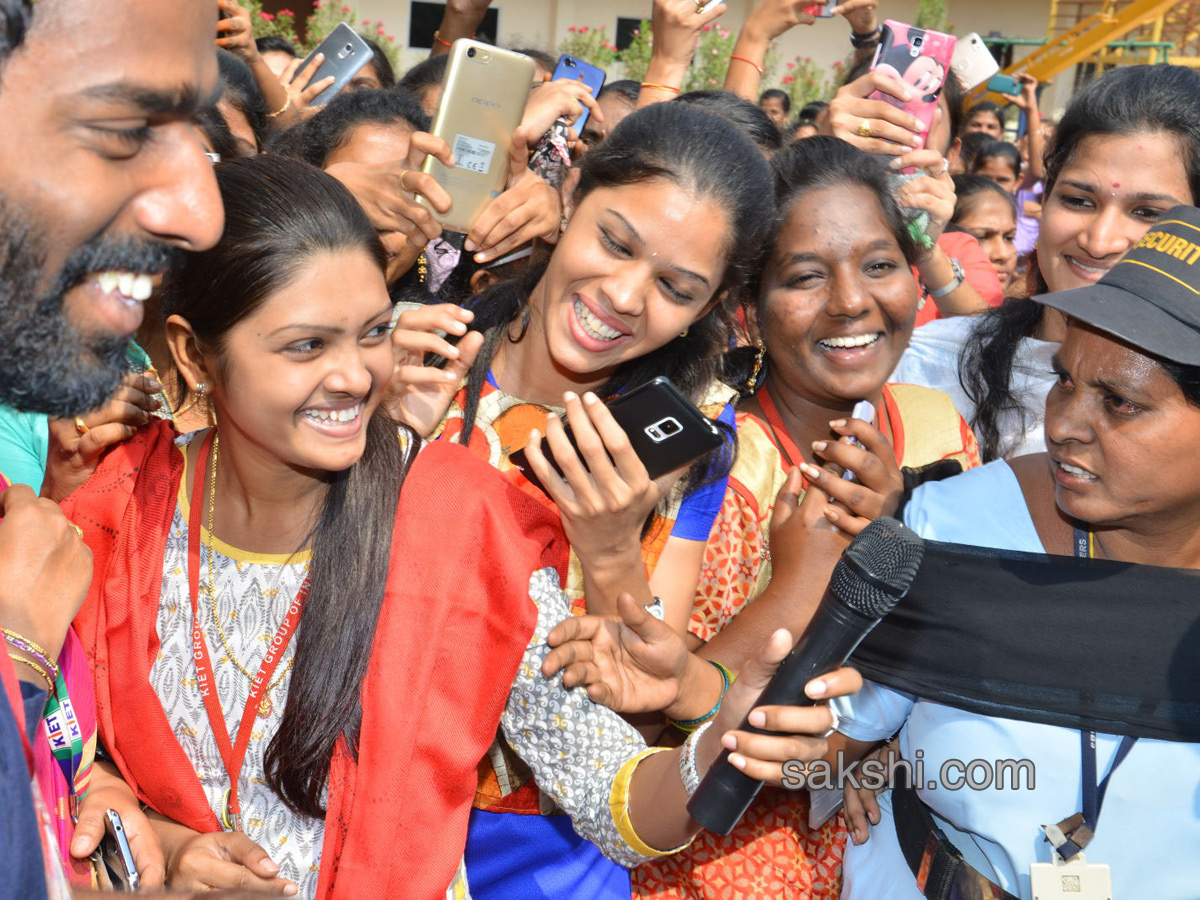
(876, 570)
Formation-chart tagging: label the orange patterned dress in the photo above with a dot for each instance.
(772, 853)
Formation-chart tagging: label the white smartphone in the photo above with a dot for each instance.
(711, 4)
(864, 410)
(973, 62)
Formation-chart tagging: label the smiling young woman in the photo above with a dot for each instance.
(1127, 150)
(835, 308)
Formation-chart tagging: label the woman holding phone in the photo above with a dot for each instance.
(664, 232)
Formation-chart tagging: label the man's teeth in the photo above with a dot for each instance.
(130, 285)
(1076, 471)
(593, 326)
(334, 415)
(857, 340)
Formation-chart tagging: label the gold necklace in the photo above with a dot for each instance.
(265, 706)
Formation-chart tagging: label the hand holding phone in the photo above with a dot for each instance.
(344, 53)
(577, 70)
(1004, 84)
(113, 860)
(918, 58)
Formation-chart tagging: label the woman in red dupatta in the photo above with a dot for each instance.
(301, 538)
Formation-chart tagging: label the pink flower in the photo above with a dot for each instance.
(266, 17)
(788, 79)
(381, 30)
(366, 21)
(602, 27)
(583, 30)
(706, 28)
(572, 29)
(791, 65)
(392, 39)
(347, 9)
(286, 12)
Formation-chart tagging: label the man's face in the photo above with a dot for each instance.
(103, 182)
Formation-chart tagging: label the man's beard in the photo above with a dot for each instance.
(48, 365)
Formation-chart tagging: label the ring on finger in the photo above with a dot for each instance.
(81, 426)
(864, 129)
(78, 530)
(837, 720)
(403, 186)
(937, 173)
(699, 6)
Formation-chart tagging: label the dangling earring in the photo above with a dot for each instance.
(684, 333)
(200, 388)
(759, 356)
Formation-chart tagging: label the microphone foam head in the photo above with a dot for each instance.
(878, 567)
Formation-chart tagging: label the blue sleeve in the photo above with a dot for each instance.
(24, 869)
(24, 445)
(699, 509)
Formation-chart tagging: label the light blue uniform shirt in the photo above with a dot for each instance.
(1149, 828)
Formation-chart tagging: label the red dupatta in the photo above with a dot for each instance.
(455, 621)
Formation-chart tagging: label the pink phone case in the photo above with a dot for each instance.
(920, 59)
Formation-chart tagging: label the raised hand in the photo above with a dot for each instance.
(236, 30)
(419, 395)
(878, 485)
(75, 451)
(565, 98)
(933, 192)
(46, 569)
(303, 90)
(528, 208)
(874, 126)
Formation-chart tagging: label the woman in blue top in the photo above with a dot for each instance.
(1121, 420)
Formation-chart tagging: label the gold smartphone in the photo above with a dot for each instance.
(483, 99)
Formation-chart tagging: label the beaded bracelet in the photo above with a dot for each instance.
(45, 676)
(688, 773)
(689, 725)
(32, 650)
(660, 87)
(760, 69)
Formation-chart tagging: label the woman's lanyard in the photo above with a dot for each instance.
(233, 754)
(66, 740)
(1077, 830)
(783, 440)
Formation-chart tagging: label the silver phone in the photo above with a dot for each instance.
(113, 859)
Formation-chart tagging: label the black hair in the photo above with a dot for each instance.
(14, 21)
(987, 107)
(1187, 377)
(749, 119)
(776, 94)
(278, 214)
(955, 96)
(330, 128)
(822, 161)
(381, 62)
(273, 43)
(541, 57)
(1128, 100)
(968, 188)
(809, 112)
(702, 153)
(1002, 150)
(217, 134)
(972, 143)
(425, 74)
(243, 94)
(625, 87)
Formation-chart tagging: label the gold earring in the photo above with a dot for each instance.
(760, 356)
(199, 390)
(684, 333)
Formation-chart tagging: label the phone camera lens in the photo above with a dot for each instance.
(670, 427)
(471, 53)
(917, 41)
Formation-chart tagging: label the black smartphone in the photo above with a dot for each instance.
(113, 859)
(345, 54)
(666, 430)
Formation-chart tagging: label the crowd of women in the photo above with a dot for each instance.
(306, 602)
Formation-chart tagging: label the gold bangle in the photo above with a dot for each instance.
(22, 644)
(286, 106)
(45, 676)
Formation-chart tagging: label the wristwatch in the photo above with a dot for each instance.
(955, 283)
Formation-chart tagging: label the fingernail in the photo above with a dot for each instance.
(758, 719)
(812, 473)
(458, 327)
(816, 688)
(831, 514)
(895, 163)
(737, 760)
(819, 446)
(470, 246)
(590, 398)
(291, 891)
(838, 423)
(535, 435)
(270, 867)
(569, 396)
(729, 742)
(78, 845)
(481, 258)
(907, 94)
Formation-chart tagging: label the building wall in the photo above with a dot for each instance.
(543, 23)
